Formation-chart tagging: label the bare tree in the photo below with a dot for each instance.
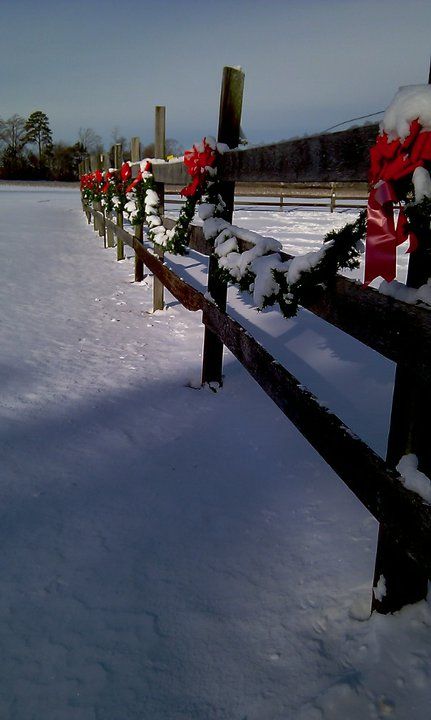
(117, 138)
(90, 140)
(13, 133)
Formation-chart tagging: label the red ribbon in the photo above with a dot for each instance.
(125, 172)
(135, 182)
(391, 161)
(196, 161)
(92, 181)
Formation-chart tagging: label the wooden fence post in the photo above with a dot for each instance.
(405, 581)
(228, 132)
(109, 235)
(333, 198)
(118, 158)
(86, 167)
(102, 226)
(110, 239)
(159, 152)
(135, 156)
(95, 165)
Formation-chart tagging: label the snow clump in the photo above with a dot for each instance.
(414, 479)
(412, 102)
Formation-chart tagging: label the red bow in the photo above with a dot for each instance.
(135, 182)
(125, 172)
(196, 161)
(391, 161)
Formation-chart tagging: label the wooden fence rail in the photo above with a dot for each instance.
(332, 199)
(400, 332)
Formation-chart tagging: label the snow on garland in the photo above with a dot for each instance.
(261, 270)
(399, 174)
(200, 163)
(109, 188)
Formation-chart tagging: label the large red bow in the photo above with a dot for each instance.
(196, 161)
(391, 161)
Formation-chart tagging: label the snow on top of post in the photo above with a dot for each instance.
(412, 102)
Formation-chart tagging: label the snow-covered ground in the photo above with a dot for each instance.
(171, 553)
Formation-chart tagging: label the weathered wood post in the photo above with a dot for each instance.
(118, 161)
(159, 152)
(405, 581)
(109, 235)
(95, 165)
(80, 174)
(333, 198)
(110, 238)
(102, 225)
(231, 96)
(86, 170)
(135, 156)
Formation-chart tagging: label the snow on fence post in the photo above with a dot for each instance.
(118, 161)
(135, 156)
(228, 132)
(404, 580)
(333, 198)
(159, 152)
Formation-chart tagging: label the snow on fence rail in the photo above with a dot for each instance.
(398, 331)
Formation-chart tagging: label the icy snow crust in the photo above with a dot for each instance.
(174, 553)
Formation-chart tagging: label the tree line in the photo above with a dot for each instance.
(27, 150)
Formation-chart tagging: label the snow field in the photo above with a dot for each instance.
(169, 553)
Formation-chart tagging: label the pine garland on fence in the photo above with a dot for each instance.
(260, 269)
(342, 252)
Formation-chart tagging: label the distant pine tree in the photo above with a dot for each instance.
(39, 133)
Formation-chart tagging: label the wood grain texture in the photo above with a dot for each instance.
(333, 157)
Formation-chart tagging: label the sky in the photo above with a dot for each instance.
(308, 64)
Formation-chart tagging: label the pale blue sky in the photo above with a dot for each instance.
(308, 64)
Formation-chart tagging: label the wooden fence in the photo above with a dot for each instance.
(327, 195)
(398, 331)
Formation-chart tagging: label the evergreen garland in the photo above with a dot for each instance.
(343, 252)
